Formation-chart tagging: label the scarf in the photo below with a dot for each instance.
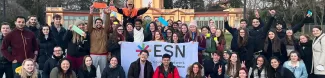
(138, 35)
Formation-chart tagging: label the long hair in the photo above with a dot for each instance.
(61, 72)
(23, 72)
(42, 35)
(242, 41)
(116, 37)
(161, 36)
(84, 66)
(276, 43)
(221, 38)
(289, 40)
(230, 66)
(295, 52)
(191, 73)
(178, 36)
(76, 37)
(197, 34)
(265, 66)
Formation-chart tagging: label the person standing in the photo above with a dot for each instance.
(141, 68)
(46, 44)
(58, 31)
(33, 25)
(23, 43)
(98, 39)
(138, 31)
(5, 64)
(318, 52)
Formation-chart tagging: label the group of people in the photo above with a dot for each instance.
(264, 51)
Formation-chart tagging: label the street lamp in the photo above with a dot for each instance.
(245, 9)
(4, 10)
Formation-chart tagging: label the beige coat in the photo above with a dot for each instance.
(319, 54)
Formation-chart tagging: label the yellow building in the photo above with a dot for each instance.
(186, 15)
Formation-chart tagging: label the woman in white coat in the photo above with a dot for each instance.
(318, 52)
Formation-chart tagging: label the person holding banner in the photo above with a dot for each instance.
(113, 70)
(158, 36)
(195, 71)
(138, 31)
(166, 69)
(129, 33)
(215, 67)
(176, 38)
(141, 68)
(78, 44)
(169, 34)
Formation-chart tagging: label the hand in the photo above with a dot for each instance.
(226, 18)
(120, 42)
(220, 70)
(111, 2)
(243, 64)
(91, 9)
(257, 15)
(149, 4)
(107, 10)
(308, 15)
(15, 61)
(272, 12)
(166, 28)
(70, 27)
(84, 34)
(217, 42)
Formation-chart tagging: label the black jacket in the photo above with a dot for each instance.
(34, 29)
(212, 69)
(78, 49)
(259, 34)
(49, 65)
(84, 73)
(46, 50)
(282, 72)
(282, 33)
(117, 72)
(135, 69)
(246, 52)
(234, 33)
(58, 35)
(307, 54)
(3, 60)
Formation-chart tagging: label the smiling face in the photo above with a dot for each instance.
(57, 21)
(218, 33)
(120, 30)
(152, 27)
(157, 36)
(289, 33)
(99, 23)
(242, 74)
(184, 29)
(129, 28)
(204, 31)
(114, 62)
(88, 61)
(294, 57)
(243, 24)
(192, 28)
(57, 51)
(175, 37)
(196, 69)
(5, 29)
(143, 56)
(242, 33)
(46, 30)
(169, 33)
(138, 25)
(20, 23)
(303, 39)
(260, 61)
(316, 32)
(256, 23)
(29, 66)
(65, 65)
(226, 56)
(271, 35)
(275, 63)
(175, 26)
(81, 26)
(33, 20)
(233, 58)
(279, 26)
(213, 29)
(166, 61)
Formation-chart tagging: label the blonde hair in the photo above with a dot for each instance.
(76, 37)
(23, 72)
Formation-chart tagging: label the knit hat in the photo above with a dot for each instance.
(194, 23)
(130, 2)
(78, 22)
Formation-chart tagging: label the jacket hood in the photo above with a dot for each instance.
(190, 68)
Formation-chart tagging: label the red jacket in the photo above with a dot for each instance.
(23, 44)
(173, 74)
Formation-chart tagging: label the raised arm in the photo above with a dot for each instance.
(107, 24)
(144, 10)
(300, 25)
(269, 24)
(90, 20)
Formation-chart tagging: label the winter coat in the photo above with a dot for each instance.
(307, 54)
(49, 65)
(135, 69)
(319, 54)
(56, 74)
(299, 71)
(282, 72)
(117, 72)
(3, 60)
(78, 49)
(211, 68)
(259, 34)
(84, 73)
(172, 72)
(58, 35)
(46, 50)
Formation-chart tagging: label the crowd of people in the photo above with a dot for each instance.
(264, 51)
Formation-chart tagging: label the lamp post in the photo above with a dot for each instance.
(245, 9)
(4, 10)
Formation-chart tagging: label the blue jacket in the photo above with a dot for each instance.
(300, 71)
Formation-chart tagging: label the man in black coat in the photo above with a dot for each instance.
(52, 62)
(141, 68)
(215, 67)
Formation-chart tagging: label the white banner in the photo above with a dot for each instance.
(183, 54)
